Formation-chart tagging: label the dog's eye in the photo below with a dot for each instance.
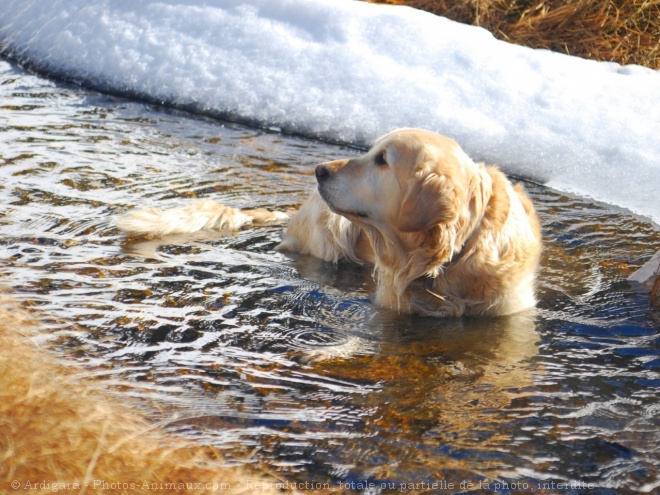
(380, 159)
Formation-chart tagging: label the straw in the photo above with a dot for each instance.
(623, 31)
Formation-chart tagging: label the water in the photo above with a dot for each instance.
(282, 361)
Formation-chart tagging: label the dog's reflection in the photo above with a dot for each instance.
(449, 384)
(428, 381)
(188, 244)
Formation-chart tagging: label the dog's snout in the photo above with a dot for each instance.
(321, 172)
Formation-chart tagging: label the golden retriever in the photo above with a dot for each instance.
(446, 236)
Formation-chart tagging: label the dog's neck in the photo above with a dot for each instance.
(403, 257)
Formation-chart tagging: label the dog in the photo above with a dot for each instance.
(446, 236)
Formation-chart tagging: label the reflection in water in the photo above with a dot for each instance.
(438, 386)
(240, 347)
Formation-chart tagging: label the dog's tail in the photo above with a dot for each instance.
(200, 215)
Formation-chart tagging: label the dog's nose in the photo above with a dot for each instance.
(321, 172)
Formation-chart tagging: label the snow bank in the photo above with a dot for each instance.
(348, 71)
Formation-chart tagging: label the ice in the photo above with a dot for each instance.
(348, 71)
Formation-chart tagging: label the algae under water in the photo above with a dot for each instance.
(237, 346)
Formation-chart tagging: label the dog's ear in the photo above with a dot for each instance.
(431, 200)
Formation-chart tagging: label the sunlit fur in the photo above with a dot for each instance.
(317, 231)
(200, 215)
(446, 236)
(449, 237)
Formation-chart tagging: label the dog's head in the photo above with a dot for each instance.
(409, 181)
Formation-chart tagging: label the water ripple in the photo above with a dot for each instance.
(227, 342)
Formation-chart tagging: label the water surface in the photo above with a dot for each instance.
(284, 358)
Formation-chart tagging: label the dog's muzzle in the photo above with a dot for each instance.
(322, 173)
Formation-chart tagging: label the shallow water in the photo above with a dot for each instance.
(282, 361)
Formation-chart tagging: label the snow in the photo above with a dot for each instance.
(349, 71)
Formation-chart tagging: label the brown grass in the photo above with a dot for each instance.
(60, 433)
(623, 31)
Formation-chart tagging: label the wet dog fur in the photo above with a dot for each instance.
(446, 236)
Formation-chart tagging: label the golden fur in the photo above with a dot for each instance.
(446, 236)
(200, 215)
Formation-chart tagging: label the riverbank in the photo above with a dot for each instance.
(627, 32)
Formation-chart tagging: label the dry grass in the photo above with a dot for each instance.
(623, 31)
(60, 433)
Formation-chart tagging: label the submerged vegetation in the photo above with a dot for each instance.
(623, 31)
